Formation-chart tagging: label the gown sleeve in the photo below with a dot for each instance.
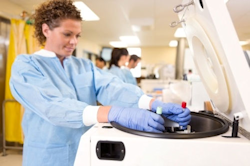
(113, 91)
(38, 94)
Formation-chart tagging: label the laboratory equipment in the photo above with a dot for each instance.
(177, 92)
(166, 72)
(225, 75)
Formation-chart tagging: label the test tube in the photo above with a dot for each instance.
(183, 105)
(159, 110)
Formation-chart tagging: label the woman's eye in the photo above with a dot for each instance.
(78, 36)
(66, 34)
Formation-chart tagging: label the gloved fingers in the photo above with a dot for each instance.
(157, 118)
(171, 117)
(167, 108)
(152, 129)
(156, 125)
(179, 120)
(185, 113)
(171, 108)
(156, 104)
(184, 123)
(184, 119)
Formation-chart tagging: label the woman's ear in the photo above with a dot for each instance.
(45, 30)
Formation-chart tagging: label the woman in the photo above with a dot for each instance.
(59, 92)
(119, 57)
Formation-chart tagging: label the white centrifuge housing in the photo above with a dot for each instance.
(225, 74)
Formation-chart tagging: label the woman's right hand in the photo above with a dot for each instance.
(137, 119)
(173, 112)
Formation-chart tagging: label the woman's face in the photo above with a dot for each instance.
(63, 39)
(124, 59)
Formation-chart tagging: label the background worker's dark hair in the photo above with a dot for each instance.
(116, 55)
(134, 58)
(124, 51)
(101, 60)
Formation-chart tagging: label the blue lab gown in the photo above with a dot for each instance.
(118, 72)
(129, 76)
(54, 98)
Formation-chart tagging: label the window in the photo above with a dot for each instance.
(106, 53)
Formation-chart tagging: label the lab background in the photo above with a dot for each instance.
(164, 52)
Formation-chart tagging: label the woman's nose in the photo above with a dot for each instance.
(73, 40)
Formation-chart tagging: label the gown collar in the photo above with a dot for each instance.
(45, 53)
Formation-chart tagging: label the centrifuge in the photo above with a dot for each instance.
(221, 138)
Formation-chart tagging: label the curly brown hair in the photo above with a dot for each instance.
(52, 12)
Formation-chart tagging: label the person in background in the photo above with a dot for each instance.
(133, 62)
(59, 92)
(191, 77)
(187, 77)
(119, 57)
(100, 63)
(190, 71)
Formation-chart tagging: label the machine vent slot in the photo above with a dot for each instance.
(110, 150)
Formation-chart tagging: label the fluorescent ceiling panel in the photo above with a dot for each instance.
(86, 13)
(173, 43)
(118, 44)
(244, 43)
(130, 39)
(136, 28)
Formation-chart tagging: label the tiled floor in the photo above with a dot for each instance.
(13, 158)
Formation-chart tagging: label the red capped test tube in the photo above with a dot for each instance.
(183, 104)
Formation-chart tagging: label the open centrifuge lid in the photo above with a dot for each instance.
(218, 57)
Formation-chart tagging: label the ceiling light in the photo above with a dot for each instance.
(86, 13)
(173, 43)
(225, 1)
(179, 33)
(118, 44)
(243, 43)
(136, 28)
(130, 39)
